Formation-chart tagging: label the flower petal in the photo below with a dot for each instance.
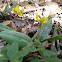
(22, 10)
(37, 17)
(47, 21)
(43, 19)
(17, 6)
(17, 11)
(13, 9)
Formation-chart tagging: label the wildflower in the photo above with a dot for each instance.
(17, 11)
(43, 19)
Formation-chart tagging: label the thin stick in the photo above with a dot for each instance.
(17, 1)
(44, 2)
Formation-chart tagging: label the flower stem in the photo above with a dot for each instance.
(37, 33)
(17, 1)
(25, 25)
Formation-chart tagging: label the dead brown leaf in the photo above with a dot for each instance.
(10, 24)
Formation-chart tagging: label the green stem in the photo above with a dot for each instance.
(41, 52)
(25, 25)
(37, 33)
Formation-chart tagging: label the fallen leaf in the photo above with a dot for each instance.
(10, 24)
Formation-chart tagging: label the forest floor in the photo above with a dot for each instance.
(30, 9)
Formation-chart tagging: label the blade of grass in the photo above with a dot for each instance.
(53, 38)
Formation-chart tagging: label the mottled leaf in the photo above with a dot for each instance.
(45, 30)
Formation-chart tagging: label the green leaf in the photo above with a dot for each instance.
(16, 60)
(41, 47)
(49, 53)
(38, 44)
(37, 41)
(32, 49)
(8, 9)
(12, 51)
(35, 60)
(20, 59)
(26, 50)
(60, 44)
(54, 49)
(3, 27)
(1, 13)
(5, 48)
(3, 60)
(12, 36)
(41, 52)
(53, 38)
(52, 60)
(17, 34)
(23, 53)
(10, 39)
(3, 56)
(45, 29)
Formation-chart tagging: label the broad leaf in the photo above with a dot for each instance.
(45, 30)
(12, 51)
(60, 44)
(3, 60)
(16, 60)
(23, 53)
(52, 60)
(38, 44)
(12, 36)
(3, 27)
(54, 49)
(49, 53)
(26, 50)
(17, 34)
(3, 56)
(35, 60)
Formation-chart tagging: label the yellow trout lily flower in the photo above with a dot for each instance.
(43, 19)
(17, 11)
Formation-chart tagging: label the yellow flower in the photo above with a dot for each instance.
(43, 19)
(17, 11)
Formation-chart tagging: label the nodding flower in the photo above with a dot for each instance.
(17, 11)
(43, 19)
